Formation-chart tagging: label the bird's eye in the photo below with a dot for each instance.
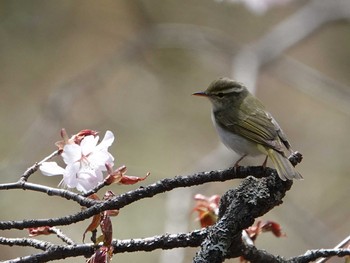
(220, 94)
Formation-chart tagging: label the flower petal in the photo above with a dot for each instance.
(70, 175)
(99, 159)
(88, 144)
(71, 153)
(51, 169)
(87, 179)
(107, 141)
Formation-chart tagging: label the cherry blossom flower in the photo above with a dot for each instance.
(85, 162)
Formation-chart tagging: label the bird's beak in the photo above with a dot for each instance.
(201, 93)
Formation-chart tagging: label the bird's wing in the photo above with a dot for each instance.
(258, 127)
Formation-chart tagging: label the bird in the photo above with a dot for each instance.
(246, 127)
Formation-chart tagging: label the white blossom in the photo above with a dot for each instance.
(85, 162)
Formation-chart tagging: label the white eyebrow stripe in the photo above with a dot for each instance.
(233, 89)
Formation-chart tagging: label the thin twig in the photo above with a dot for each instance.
(35, 166)
(62, 236)
(342, 244)
(83, 201)
(96, 189)
(25, 242)
(312, 255)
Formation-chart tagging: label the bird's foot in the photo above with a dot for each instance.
(240, 159)
(295, 158)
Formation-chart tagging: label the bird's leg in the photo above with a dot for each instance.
(240, 159)
(264, 163)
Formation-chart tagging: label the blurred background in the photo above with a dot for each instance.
(131, 67)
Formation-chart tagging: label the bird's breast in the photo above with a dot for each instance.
(235, 142)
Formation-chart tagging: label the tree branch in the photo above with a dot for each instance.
(25, 242)
(254, 255)
(36, 166)
(159, 187)
(62, 236)
(167, 241)
(312, 255)
(53, 252)
(238, 209)
(345, 243)
(24, 185)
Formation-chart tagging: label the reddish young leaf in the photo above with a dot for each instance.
(96, 219)
(260, 227)
(61, 144)
(127, 179)
(207, 208)
(268, 226)
(103, 220)
(94, 197)
(102, 255)
(76, 138)
(37, 231)
(108, 195)
(273, 227)
(119, 176)
(254, 231)
(206, 218)
(107, 230)
(114, 176)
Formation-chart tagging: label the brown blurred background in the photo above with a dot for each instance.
(131, 67)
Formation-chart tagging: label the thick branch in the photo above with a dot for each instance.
(238, 209)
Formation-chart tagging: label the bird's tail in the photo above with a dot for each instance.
(283, 166)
